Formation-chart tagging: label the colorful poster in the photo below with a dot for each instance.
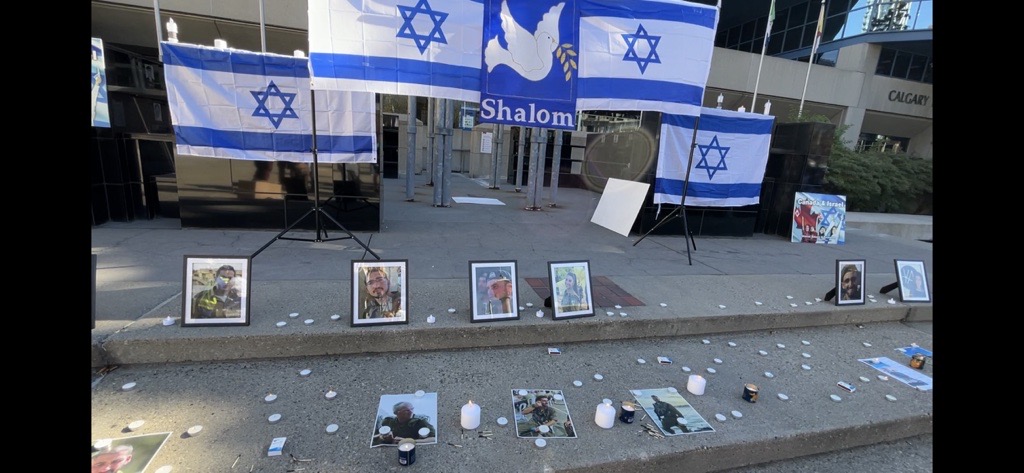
(819, 218)
(100, 112)
(529, 73)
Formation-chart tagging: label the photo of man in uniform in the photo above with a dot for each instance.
(405, 416)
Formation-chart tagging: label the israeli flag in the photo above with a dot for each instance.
(728, 161)
(424, 48)
(229, 103)
(645, 55)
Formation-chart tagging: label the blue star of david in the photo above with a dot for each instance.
(261, 110)
(705, 149)
(631, 55)
(409, 31)
(827, 214)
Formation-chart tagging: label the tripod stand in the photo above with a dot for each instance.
(317, 211)
(682, 201)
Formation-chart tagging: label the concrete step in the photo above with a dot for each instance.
(226, 398)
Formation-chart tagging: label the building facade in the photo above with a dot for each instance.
(871, 74)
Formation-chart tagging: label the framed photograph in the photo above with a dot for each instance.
(570, 289)
(380, 292)
(216, 291)
(849, 282)
(494, 290)
(913, 281)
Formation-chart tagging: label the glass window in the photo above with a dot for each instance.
(720, 38)
(798, 14)
(831, 30)
(834, 7)
(928, 72)
(885, 60)
(917, 65)
(808, 37)
(759, 27)
(781, 17)
(792, 40)
(747, 33)
(734, 37)
(775, 43)
(901, 65)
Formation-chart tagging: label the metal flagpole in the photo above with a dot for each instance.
(556, 164)
(263, 28)
(810, 60)
(764, 49)
(410, 160)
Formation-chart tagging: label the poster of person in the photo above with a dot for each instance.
(570, 289)
(215, 291)
(913, 281)
(670, 411)
(541, 413)
(402, 416)
(494, 291)
(380, 293)
(819, 218)
(99, 109)
(126, 454)
(901, 372)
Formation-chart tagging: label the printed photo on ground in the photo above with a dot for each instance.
(126, 454)
(402, 416)
(541, 413)
(670, 411)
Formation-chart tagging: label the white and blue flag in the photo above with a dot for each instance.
(529, 70)
(424, 48)
(728, 162)
(645, 55)
(229, 103)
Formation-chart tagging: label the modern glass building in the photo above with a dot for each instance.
(871, 73)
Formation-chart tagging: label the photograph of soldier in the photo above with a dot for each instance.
(379, 293)
(670, 411)
(570, 289)
(542, 413)
(494, 293)
(402, 416)
(215, 291)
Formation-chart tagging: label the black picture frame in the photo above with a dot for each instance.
(483, 277)
(215, 291)
(912, 280)
(850, 272)
(395, 308)
(583, 305)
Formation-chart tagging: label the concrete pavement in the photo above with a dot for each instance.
(216, 376)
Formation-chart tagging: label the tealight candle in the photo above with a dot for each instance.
(135, 425)
(274, 418)
(502, 421)
(293, 315)
(470, 416)
(128, 386)
(305, 372)
(336, 317)
(271, 397)
(332, 428)
(696, 384)
(194, 430)
(330, 394)
(604, 417)
(424, 432)
(308, 321)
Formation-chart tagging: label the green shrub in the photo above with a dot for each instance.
(878, 182)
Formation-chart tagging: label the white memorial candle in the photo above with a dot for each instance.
(470, 416)
(604, 417)
(696, 384)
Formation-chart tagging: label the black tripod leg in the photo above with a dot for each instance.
(342, 227)
(286, 230)
(687, 235)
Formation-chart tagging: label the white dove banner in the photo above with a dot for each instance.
(645, 55)
(229, 103)
(529, 72)
(424, 48)
(728, 161)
